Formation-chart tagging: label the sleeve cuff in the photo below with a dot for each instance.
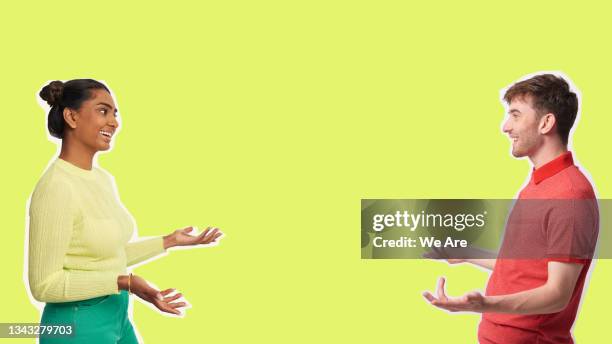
(569, 260)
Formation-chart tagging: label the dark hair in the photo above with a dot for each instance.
(71, 94)
(550, 93)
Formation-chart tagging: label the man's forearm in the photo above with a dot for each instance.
(542, 300)
(485, 263)
(479, 257)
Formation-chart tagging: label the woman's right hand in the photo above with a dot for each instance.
(159, 299)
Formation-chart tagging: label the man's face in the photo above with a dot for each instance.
(521, 125)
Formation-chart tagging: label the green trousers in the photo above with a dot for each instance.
(101, 320)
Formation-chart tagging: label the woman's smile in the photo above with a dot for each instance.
(106, 135)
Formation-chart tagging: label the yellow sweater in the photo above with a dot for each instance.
(78, 235)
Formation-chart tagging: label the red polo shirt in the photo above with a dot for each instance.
(554, 233)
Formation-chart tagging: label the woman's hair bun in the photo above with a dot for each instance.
(52, 93)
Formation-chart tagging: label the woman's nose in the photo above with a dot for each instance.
(114, 122)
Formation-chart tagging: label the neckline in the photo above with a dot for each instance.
(75, 170)
(553, 167)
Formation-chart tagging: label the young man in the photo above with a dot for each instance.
(534, 290)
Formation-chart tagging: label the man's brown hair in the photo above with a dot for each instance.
(550, 94)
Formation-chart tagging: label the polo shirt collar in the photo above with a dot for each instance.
(552, 167)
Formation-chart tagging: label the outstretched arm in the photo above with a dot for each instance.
(142, 250)
(472, 255)
(551, 297)
(485, 263)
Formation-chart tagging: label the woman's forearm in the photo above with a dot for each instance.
(122, 282)
(168, 241)
(143, 249)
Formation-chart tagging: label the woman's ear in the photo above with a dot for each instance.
(70, 117)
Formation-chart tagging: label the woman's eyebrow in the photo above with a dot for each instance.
(103, 103)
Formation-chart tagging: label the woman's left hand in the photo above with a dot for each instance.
(181, 237)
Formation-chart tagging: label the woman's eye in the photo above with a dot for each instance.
(103, 111)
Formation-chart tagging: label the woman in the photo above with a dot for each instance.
(79, 230)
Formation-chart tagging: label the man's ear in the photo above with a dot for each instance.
(70, 117)
(547, 123)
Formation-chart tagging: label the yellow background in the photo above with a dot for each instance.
(271, 120)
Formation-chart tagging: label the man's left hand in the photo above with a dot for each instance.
(470, 302)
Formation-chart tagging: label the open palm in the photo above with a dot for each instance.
(470, 302)
(182, 237)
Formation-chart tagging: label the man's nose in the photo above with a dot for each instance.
(506, 127)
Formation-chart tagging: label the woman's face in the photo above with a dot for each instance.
(97, 121)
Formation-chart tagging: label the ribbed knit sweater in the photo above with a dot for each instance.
(78, 235)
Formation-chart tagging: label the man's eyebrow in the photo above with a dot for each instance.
(514, 111)
(103, 103)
